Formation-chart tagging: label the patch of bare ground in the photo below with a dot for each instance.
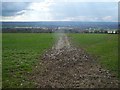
(65, 66)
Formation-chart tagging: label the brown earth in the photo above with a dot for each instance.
(65, 66)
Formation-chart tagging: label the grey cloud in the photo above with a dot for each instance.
(11, 8)
(84, 9)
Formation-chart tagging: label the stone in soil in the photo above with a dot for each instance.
(65, 66)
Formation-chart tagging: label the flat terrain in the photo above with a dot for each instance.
(65, 66)
(21, 52)
(102, 46)
(35, 60)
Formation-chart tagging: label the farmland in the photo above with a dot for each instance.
(25, 65)
(103, 46)
(21, 52)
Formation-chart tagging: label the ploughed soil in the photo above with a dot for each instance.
(66, 66)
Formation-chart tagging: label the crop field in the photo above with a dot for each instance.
(102, 46)
(21, 52)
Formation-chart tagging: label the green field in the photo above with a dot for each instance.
(102, 46)
(21, 52)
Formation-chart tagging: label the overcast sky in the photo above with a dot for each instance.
(55, 10)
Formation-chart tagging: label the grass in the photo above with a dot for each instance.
(104, 46)
(20, 53)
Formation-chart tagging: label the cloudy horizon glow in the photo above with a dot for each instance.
(51, 10)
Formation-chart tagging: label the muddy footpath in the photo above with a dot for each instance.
(66, 66)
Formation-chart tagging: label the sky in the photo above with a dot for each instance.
(58, 10)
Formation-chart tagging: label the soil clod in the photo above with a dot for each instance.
(65, 66)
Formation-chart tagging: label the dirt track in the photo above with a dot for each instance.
(65, 66)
